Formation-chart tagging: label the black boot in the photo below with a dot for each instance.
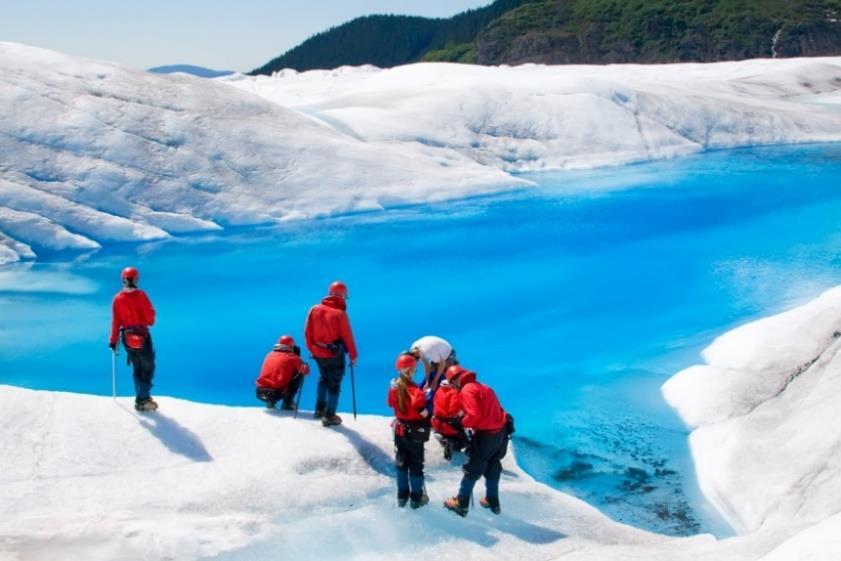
(448, 449)
(319, 410)
(330, 419)
(402, 498)
(288, 405)
(418, 500)
(491, 504)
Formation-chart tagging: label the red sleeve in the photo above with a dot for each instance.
(390, 400)
(148, 310)
(116, 321)
(308, 333)
(418, 399)
(347, 336)
(470, 406)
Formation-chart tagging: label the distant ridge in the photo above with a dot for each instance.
(580, 32)
(387, 40)
(199, 71)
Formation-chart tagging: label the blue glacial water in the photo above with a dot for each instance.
(576, 300)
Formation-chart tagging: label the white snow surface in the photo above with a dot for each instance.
(105, 153)
(537, 117)
(87, 478)
(767, 438)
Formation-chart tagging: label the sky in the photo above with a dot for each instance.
(225, 35)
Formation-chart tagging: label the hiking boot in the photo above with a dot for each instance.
(147, 404)
(419, 500)
(448, 449)
(457, 505)
(269, 404)
(288, 406)
(490, 504)
(318, 414)
(402, 499)
(331, 420)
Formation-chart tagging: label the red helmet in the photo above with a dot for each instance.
(338, 288)
(286, 340)
(130, 273)
(405, 361)
(454, 371)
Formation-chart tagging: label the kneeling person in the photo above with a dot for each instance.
(282, 374)
(446, 420)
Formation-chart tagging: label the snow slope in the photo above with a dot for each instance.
(95, 153)
(535, 117)
(86, 478)
(767, 439)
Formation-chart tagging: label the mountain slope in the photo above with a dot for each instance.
(615, 31)
(580, 31)
(385, 40)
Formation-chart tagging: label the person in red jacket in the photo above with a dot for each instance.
(484, 417)
(132, 315)
(282, 374)
(411, 431)
(446, 420)
(329, 337)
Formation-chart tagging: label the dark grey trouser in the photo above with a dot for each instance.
(143, 364)
(484, 458)
(331, 371)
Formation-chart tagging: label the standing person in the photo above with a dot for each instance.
(411, 431)
(329, 337)
(132, 315)
(488, 423)
(436, 355)
(281, 374)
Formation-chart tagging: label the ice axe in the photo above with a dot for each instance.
(298, 398)
(353, 390)
(114, 374)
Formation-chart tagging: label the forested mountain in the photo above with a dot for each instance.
(387, 40)
(580, 31)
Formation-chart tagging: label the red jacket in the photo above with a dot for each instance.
(415, 403)
(279, 368)
(326, 323)
(482, 411)
(131, 307)
(447, 404)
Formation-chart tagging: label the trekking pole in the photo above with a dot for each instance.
(298, 399)
(114, 374)
(353, 390)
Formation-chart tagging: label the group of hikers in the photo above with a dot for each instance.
(465, 414)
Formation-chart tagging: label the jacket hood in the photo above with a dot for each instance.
(334, 302)
(467, 378)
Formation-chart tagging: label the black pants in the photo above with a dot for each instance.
(484, 456)
(287, 394)
(331, 371)
(143, 364)
(408, 458)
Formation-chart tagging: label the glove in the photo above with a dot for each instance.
(305, 369)
(112, 346)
